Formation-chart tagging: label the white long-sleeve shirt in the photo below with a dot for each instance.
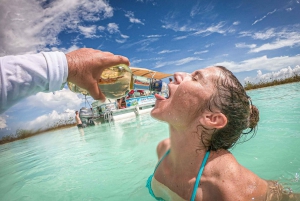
(25, 75)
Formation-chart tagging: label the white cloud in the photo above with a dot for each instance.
(187, 60)
(209, 45)
(93, 10)
(176, 27)
(88, 32)
(132, 19)
(236, 23)
(101, 28)
(261, 35)
(269, 13)
(167, 51)
(180, 37)
(195, 10)
(124, 36)
(201, 52)
(201, 8)
(281, 74)
(282, 37)
(262, 63)
(243, 45)
(72, 48)
(177, 62)
(292, 41)
(143, 43)
(218, 28)
(264, 35)
(154, 36)
(123, 40)
(60, 100)
(27, 27)
(194, 29)
(50, 120)
(135, 61)
(65, 50)
(120, 40)
(113, 28)
(2, 122)
(245, 33)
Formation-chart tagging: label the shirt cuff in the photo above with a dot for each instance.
(57, 67)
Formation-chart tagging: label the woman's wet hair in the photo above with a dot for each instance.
(242, 117)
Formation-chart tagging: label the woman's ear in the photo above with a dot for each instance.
(213, 120)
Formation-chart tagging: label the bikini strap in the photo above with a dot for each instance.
(148, 184)
(162, 158)
(199, 175)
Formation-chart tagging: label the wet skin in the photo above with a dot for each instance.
(186, 94)
(223, 177)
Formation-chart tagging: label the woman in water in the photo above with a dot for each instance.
(207, 112)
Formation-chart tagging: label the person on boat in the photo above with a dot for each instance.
(78, 120)
(25, 75)
(121, 103)
(207, 111)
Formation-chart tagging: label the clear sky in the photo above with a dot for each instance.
(254, 39)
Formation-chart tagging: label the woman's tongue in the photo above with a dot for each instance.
(159, 97)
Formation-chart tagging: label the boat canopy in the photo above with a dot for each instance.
(144, 72)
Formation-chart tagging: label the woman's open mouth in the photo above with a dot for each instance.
(161, 97)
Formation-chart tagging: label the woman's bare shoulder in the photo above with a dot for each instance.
(162, 147)
(234, 180)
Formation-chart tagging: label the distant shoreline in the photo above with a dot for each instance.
(22, 134)
(263, 84)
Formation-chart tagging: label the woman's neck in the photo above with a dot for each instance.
(187, 150)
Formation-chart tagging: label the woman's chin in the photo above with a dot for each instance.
(152, 113)
(161, 111)
(156, 113)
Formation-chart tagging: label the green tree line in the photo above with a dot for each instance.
(250, 85)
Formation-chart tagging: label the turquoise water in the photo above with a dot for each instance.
(113, 162)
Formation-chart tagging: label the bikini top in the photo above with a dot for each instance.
(148, 184)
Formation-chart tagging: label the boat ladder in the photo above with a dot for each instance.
(108, 116)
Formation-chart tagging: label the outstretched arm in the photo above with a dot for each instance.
(25, 75)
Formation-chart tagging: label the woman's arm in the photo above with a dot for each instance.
(25, 75)
(276, 192)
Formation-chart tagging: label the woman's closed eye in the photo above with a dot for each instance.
(196, 76)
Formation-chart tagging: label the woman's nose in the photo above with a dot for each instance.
(180, 76)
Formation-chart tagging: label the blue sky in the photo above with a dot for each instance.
(255, 39)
